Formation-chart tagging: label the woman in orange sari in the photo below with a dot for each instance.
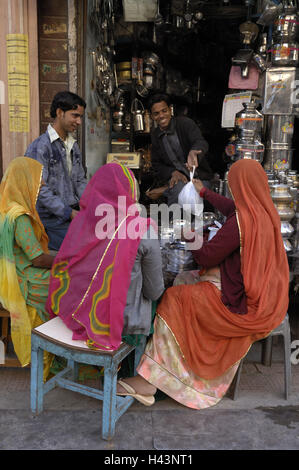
(203, 330)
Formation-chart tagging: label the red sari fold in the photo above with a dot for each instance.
(90, 276)
(212, 338)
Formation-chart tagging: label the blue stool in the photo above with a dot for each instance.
(53, 336)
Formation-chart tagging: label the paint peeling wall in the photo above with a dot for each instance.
(97, 124)
(53, 54)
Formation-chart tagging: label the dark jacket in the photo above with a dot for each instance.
(190, 138)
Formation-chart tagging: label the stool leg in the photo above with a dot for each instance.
(287, 360)
(75, 369)
(236, 381)
(267, 351)
(36, 387)
(139, 350)
(109, 403)
(5, 332)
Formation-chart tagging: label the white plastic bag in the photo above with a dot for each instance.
(189, 198)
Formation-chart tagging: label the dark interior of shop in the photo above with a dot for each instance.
(195, 59)
(199, 59)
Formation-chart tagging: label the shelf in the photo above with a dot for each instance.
(120, 135)
(126, 135)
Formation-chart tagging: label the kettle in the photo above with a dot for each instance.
(137, 110)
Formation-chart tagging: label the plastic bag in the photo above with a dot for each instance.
(189, 198)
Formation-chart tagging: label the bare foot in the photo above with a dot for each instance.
(140, 385)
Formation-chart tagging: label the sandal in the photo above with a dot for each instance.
(146, 400)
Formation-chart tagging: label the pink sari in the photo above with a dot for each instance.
(90, 276)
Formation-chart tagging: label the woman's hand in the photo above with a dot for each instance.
(198, 184)
(43, 261)
(73, 214)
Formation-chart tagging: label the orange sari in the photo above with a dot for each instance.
(210, 337)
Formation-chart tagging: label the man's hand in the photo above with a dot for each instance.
(176, 177)
(198, 185)
(156, 192)
(192, 159)
(74, 213)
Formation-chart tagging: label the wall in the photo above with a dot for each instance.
(96, 130)
(53, 54)
(19, 74)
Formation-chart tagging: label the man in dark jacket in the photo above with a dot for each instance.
(177, 145)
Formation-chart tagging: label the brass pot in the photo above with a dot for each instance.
(124, 75)
(285, 212)
(283, 199)
(281, 194)
(123, 66)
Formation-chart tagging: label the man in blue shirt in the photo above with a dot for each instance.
(63, 172)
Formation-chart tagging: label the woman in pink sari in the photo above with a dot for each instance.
(108, 269)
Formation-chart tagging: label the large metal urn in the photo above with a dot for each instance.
(249, 122)
(283, 199)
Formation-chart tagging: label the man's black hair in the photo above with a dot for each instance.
(65, 100)
(157, 98)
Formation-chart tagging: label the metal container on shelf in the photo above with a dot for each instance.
(249, 122)
(279, 91)
(278, 157)
(251, 150)
(137, 111)
(292, 174)
(285, 53)
(272, 182)
(118, 120)
(123, 66)
(282, 200)
(123, 72)
(124, 76)
(286, 26)
(287, 230)
(225, 187)
(279, 129)
(166, 236)
(179, 258)
(287, 245)
(149, 81)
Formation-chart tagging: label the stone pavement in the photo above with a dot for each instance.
(260, 419)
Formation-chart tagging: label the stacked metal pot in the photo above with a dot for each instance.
(279, 80)
(175, 256)
(284, 46)
(284, 201)
(248, 124)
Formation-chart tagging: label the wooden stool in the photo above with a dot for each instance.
(5, 340)
(55, 337)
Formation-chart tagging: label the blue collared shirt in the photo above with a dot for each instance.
(65, 182)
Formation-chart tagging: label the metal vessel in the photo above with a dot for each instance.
(251, 150)
(249, 122)
(279, 129)
(278, 157)
(286, 26)
(285, 53)
(282, 199)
